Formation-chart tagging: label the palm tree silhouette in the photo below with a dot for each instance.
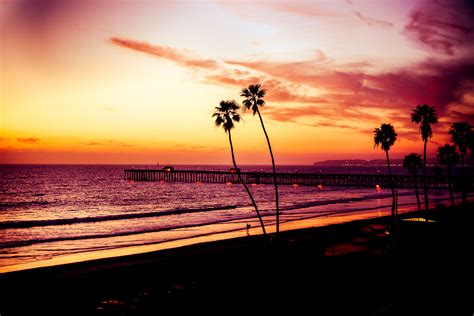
(226, 114)
(253, 95)
(425, 115)
(447, 156)
(413, 162)
(385, 137)
(460, 133)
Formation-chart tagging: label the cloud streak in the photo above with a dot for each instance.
(372, 21)
(165, 52)
(29, 140)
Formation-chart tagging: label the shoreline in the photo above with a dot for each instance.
(233, 229)
(348, 262)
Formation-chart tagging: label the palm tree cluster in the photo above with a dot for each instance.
(462, 137)
(226, 114)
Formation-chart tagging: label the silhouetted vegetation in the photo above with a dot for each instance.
(253, 95)
(460, 133)
(425, 115)
(226, 114)
(447, 156)
(413, 162)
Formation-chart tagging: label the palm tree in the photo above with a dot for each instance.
(385, 137)
(460, 132)
(226, 114)
(253, 95)
(447, 156)
(413, 162)
(425, 115)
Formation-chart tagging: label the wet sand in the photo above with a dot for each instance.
(350, 268)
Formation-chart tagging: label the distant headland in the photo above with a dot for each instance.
(364, 162)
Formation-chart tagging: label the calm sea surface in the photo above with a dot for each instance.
(48, 211)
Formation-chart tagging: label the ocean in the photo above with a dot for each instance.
(51, 211)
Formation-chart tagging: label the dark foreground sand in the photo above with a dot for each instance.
(345, 269)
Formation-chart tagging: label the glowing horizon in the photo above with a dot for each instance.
(136, 83)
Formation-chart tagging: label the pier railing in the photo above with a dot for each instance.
(357, 180)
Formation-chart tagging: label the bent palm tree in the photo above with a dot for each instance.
(385, 137)
(447, 156)
(226, 114)
(424, 115)
(460, 133)
(253, 95)
(413, 162)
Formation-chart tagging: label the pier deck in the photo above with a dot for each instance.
(314, 179)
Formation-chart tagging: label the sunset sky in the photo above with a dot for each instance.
(136, 81)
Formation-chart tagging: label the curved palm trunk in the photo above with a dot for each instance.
(451, 196)
(425, 187)
(274, 175)
(245, 186)
(415, 180)
(391, 185)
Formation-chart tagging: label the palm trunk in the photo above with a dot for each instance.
(463, 180)
(274, 175)
(425, 187)
(415, 181)
(451, 196)
(245, 186)
(391, 185)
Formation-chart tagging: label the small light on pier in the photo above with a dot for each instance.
(296, 185)
(377, 188)
(168, 168)
(254, 184)
(229, 184)
(320, 186)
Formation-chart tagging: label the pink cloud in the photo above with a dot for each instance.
(442, 27)
(302, 9)
(164, 52)
(372, 21)
(307, 72)
(348, 94)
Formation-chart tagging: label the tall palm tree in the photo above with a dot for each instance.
(425, 115)
(385, 137)
(253, 99)
(226, 114)
(460, 132)
(447, 156)
(413, 162)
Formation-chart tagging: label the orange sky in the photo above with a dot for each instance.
(136, 82)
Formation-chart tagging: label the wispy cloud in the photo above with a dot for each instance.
(307, 9)
(108, 142)
(372, 21)
(443, 27)
(165, 52)
(29, 140)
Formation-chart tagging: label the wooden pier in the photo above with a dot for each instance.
(312, 179)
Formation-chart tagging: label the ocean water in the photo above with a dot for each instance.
(48, 211)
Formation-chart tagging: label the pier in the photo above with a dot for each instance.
(296, 179)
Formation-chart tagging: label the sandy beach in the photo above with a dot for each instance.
(354, 267)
